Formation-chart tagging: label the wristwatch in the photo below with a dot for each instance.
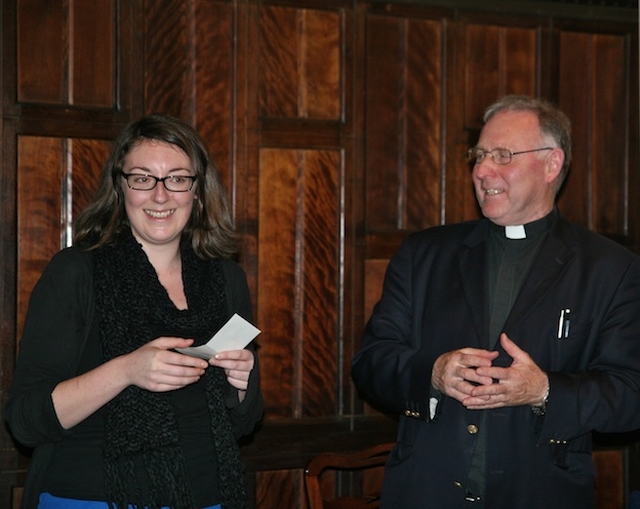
(541, 409)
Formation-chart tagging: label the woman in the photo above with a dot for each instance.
(117, 416)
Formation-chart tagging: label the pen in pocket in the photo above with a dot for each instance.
(563, 324)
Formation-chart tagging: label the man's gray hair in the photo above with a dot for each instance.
(553, 122)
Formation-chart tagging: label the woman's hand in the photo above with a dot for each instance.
(154, 367)
(237, 365)
(157, 368)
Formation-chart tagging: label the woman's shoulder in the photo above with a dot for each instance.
(70, 264)
(71, 257)
(231, 268)
(236, 287)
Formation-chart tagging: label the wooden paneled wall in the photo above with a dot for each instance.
(338, 126)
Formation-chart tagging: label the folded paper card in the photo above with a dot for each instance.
(234, 335)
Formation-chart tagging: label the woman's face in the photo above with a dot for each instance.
(157, 216)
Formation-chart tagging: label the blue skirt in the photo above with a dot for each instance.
(48, 501)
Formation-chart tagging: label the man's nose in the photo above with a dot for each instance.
(484, 167)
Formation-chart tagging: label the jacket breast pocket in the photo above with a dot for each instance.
(574, 349)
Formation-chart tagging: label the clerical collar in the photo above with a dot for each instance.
(522, 231)
(515, 232)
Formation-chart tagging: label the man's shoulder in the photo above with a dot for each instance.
(595, 244)
(449, 233)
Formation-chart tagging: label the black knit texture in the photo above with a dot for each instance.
(141, 428)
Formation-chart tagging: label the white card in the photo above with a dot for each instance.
(234, 335)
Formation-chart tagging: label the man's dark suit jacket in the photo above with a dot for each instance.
(435, 300)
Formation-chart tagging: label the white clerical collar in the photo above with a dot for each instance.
(515, 232)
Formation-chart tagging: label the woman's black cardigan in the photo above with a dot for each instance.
(60, 318)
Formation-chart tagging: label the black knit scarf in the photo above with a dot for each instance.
(141, 428)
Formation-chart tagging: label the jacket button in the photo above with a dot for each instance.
(472, 429)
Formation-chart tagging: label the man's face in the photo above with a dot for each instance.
(523, 190)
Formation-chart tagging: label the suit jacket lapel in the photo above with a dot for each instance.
(555, 255)
(473, 272)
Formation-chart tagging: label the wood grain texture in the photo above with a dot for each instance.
(278, 64)
(42, 60)
(611, 136)
(93, 53)
(520, 60)
(382, 149)
(404, 126)
(610, 479)
(87, 160)
(423, 171)
(320, 61)
(300, 64)
(596, 192)
(481, 80)
(277, 264)
(374, 277)
(499, 60)
(319, 261)
(298, 281)
(575, 66)
(67, 52)
(215, 82)
(169, 61)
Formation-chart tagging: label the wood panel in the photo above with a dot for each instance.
(42, 60)
(300, 64)
(277, 281)
(72, 60)
(575, 99)
(404, 123)
(216, 83)
(92, 60)
(498, 60)
(299, 238)
(85, 168)
(596, 192)
(610, 140)
(611, 484)
(169, 59)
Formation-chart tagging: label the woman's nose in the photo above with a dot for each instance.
(160, 192)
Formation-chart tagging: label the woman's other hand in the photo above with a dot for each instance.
(237, 365)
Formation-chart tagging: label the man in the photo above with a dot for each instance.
(503, 343)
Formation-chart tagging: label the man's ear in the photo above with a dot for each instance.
(554, 164)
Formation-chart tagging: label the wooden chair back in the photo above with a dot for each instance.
(364, 462)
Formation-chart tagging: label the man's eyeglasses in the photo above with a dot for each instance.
(499, 155)
(173, 183)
